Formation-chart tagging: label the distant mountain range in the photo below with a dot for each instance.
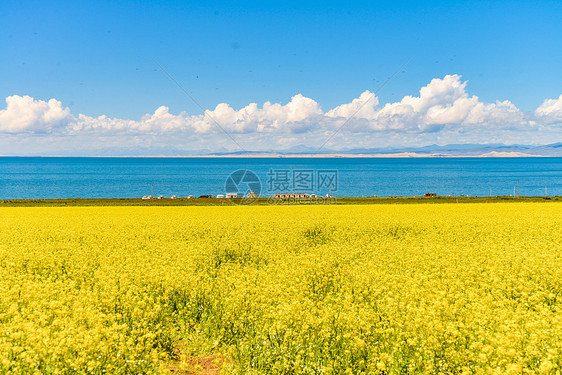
(474, 150)
(452, 150)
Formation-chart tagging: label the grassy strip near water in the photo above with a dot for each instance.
(263, 201)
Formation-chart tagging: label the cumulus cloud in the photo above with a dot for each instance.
(298, 115)
(550, 110)
(443, 111)
(445, 102)
(161, 121)
(362, 107)
(24, 114)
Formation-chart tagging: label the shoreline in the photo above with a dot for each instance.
(167, 202)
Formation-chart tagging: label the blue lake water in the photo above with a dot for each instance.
(41, 177)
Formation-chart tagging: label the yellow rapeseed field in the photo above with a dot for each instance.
(372, 289)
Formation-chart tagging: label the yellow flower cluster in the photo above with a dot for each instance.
(373, 289)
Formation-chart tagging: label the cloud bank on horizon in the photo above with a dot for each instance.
(442, 113)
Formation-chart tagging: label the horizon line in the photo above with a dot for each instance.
(273, 155)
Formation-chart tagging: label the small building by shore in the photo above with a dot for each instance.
(291, 195)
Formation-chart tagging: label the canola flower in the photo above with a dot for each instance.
(374, 289)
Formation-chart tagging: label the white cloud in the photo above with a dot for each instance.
(298, 115)
(442, 112)
(500, 114)
(445, 102)
(362, 107)
(24, 114)
(550, 110)
(161, 121)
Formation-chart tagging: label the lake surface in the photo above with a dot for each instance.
(42, 177)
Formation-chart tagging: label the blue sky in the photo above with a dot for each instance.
(95, 57)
